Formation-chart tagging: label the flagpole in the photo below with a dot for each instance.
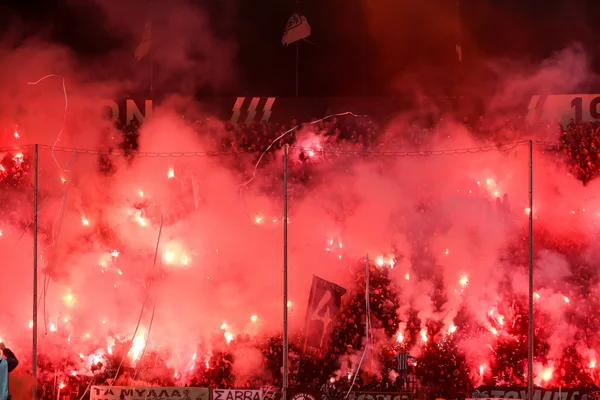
(285, 271)
(530, 347)
(35, 270)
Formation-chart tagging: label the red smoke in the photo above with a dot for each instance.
(217, 280)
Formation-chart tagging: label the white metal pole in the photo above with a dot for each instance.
(285, 271)
(35, 270)
(530, 347)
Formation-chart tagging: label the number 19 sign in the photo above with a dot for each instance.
(564, 107)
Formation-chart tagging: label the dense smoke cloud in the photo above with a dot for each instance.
(434, 222)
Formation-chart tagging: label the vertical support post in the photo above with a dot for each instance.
(530, 346)
(35, 269)
(285, 271)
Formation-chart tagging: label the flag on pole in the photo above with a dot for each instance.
(297, 28)
(144, 47)
(323, 307)
(459, 52)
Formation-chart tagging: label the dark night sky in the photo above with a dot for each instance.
(356, 51)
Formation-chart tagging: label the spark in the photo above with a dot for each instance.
(481, 369)
(228, 337)
(447, 251)
(16, 135)
(566, 299)
(289, 303)
(494, 331)
(593, 364)
(423, 334)
(547, 374)
(63, 180)
(400, 337)
(137, 347)
(224, 326)
(18, 158)
(452, 328)
(488, 181)
(254, 318)
(169, 257)
(258, 220)
(171, 173)
(84, 221)
(464, 280)
(500, 319)
(68, 300)
(380, 261)
(141, 193)
(115, 253)
(407, 276)
(30, 324)
(61, 386)
(311, 153)
(141, 221)
(536, 295)
(52, 328)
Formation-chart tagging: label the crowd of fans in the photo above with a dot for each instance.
(442, 370)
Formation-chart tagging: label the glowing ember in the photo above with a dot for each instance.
(84, 221)
(171, 173)
(464, 280)
(547, 374)
(400, 337)
(423, 334)
(254, 318)
(169, 257)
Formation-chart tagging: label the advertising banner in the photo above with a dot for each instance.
(489, 392)
(148, 393)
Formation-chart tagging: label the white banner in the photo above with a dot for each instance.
(237, 394)
(148, 393)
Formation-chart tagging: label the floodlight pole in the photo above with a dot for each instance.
(530, 347)
(285, 271)
(35, 270)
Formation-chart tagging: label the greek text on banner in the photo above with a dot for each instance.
(148, 393)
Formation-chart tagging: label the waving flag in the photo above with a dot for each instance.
(297, 28)
(323, 307)
(144, 47)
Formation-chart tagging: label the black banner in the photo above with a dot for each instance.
(538, 393)
(323, 307)
(380, 396)
(305, 394)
